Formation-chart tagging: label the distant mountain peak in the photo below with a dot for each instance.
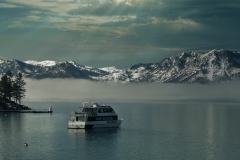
(110, 69)
(217, 65)
(41, 63)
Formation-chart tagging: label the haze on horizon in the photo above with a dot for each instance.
(83, 90)
(102, 33)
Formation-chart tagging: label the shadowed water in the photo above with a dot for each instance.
(149, 131)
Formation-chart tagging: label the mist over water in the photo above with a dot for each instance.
(175, 131)
(149, 130)
(74, 89)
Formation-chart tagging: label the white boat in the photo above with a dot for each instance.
(93, 115)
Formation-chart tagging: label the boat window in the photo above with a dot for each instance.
(105, 110)
(81, 118)
(76, 118)
(98, 119)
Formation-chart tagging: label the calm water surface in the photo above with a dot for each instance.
(149, 131)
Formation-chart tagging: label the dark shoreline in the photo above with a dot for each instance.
(9, 110)
(28, 111)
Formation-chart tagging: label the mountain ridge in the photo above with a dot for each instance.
(186, 67)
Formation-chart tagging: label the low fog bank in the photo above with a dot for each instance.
(76, 90)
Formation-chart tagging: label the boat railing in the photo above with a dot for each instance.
(92, 113)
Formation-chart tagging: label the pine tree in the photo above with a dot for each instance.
(10, 88)
(18, 88)
(9, 85)
(1, 94)
(15, 91)
(3, 87)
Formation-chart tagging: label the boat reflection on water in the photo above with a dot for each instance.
(98, 132)
(94, 136)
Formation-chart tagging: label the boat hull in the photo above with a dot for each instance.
(96, 124)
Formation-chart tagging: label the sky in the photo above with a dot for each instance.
(121, 33)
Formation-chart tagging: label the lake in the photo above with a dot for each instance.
(150, 130)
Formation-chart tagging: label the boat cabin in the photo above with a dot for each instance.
(94, 112)
(94, 108)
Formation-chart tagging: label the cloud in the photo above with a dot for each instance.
(52, 6)
(103, 9)
(6, 5)
(100, 32)
(198, 11)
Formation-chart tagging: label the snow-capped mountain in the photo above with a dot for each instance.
(111, 69)
(41, 63)
(50, 69)
(16, 66)
(187, 67)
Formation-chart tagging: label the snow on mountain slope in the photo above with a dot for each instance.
(50, 69)
(16, 66)
(41, 63)
(1, 61)
(186, 67)
(110, 69)
(66, 69)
